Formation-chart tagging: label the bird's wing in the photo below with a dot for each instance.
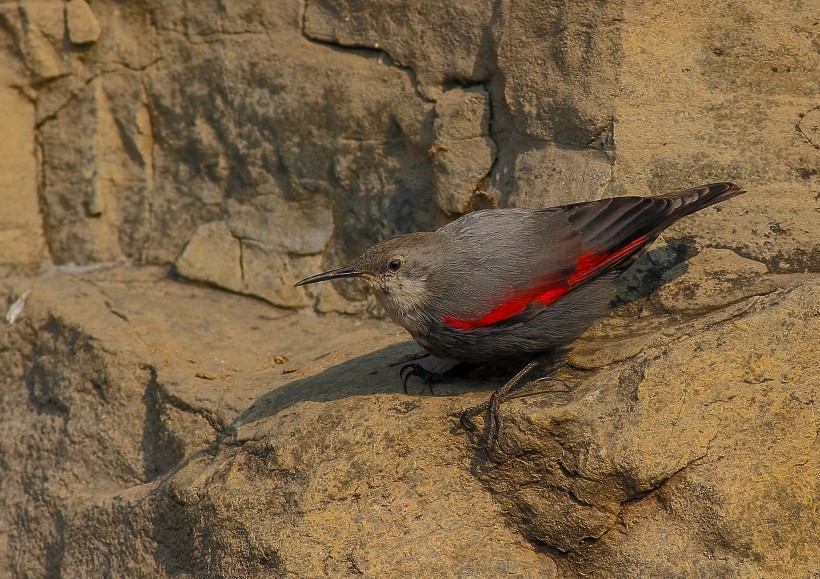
(522, 261)
(500, 261)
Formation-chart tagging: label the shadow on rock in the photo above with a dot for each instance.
(654, 269)
(378, 371)
(373, 373)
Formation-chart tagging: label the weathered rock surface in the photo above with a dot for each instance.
(22, 242)
(171, 440)
(463, 153)
(151, 428)
(224, 437)
(393, 117)
(707, 438)
(83, 27)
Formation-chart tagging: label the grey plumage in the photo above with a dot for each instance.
(504, 283)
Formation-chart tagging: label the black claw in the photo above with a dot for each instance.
(420, 371)
(514, 388)
(402, 376)
(416, 370)
(411, 371)
(551, 379)
(466, 415)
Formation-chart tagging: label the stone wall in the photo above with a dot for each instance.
(253, 143)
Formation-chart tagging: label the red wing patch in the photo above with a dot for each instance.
(509, 308)
(588, 266)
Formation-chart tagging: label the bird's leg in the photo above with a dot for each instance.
(502, 392)
(514, 388)
(526, 389)
(414, 369)
(491, 407)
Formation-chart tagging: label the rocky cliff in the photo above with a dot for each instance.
(156, 427)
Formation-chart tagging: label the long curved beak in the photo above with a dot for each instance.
(347, 271)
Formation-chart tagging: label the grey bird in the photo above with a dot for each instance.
(516, 283)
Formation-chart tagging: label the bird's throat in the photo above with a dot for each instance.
(403, 303)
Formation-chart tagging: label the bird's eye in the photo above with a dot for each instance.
(394, 264)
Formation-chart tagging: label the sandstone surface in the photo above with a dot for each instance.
(224, 437)
(153, 426)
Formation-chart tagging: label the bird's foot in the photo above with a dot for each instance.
(409, 370)
(431, 376)
(513, 389)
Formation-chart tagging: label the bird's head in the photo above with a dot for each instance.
(397, 270)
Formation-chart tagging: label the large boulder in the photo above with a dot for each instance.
(223, 437)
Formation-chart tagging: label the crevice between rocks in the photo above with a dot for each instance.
(183, 406)
(72, 97)
(363, 50)
(152, 176)
(162, 450)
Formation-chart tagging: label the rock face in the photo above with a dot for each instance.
(83, 27)
(463, 153)
(703, 438)
(344, 123)
(156, 428)
(221, 437)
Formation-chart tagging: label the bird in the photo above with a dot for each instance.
(516, 283)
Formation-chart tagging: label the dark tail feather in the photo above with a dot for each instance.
(612, 223)
(608, 225)
(702, 197)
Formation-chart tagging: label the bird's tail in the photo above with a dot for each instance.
(697, 198)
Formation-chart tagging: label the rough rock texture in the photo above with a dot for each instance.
(153, 428)
(158, 118)
(463, 153)
(83, 27)
(223, 437)
(204, 439)
(22, 242)
(708, 437)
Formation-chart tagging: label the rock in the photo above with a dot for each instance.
(22, 242)
(82, 25)
(183, 431)
(713, 279)
(463, 153)
(302, 228)
(561, 66)
(429, 51)
(706, 440)
(163, 430)
(661, 144)
(580, 103)
(549, 175)
(98, 178)
(270, 274)
(462, 114)
(809, 126)
(216, 255)
(213, 255)
(40, 32)
(371, 185)
(143, 392)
